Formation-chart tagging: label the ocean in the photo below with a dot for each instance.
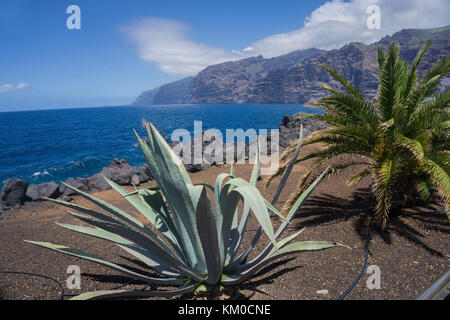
(53, 145)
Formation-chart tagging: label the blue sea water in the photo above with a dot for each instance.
(53, 145)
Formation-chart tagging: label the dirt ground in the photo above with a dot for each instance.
(411, 254)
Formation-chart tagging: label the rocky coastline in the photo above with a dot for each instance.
(17, 192)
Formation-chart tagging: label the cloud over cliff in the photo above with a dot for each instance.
(167, 42)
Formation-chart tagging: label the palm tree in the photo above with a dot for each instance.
(401, 138)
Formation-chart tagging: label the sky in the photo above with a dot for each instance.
(126, 47)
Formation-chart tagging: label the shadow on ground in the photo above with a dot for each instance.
(118, 282)
(408, 222)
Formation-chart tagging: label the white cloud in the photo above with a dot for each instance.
(337, 23)
(167, 43)
(10, 87)
(332, 25)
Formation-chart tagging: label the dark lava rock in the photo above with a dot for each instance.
(3, 206)
(79, 183)
(119, 171)
(141, 174)
(290, 128)
(14, 192)
(97, 183)
(44, 190)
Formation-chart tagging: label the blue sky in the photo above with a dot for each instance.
(126, 47)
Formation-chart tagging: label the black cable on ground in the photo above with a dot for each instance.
(366, 259)
(62, 295)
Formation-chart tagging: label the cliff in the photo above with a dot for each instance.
(294, 78)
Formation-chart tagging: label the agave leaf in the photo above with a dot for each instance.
(92, 258)
(256, 167)
(286, 240)
(274, 210)
(157, 203)
(126, 245)
(217, 193)
(288, 170)
(172, 178)
(130, 294)
(207, 185)
(92, 213)
(233, 244)
(206, 225)
(255, 200)
(217, 188)
(139, 239)
(124, 231)
(237, 233)
(154, 188)
(118, 213)
(228, 205)
(300, 202)
(158, 140)
(242, 258)
(234, 267)
(253, 180)
(289, 249)
(195, 192)
(237, 264)
(150, 260)
(96, 232)
(156, 218)
(139, 205)
(236, 236)
(305, 246)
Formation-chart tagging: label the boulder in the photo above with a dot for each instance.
(79, 183)
(3, 206)
(14, 192)
(119, 171)
(194, 162)
(44, 190)
(290, 128)
(193, 167)
(97, 183)
(142, 173)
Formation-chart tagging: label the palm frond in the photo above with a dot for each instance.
(412, 75)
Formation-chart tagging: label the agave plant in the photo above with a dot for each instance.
(189, 243)
(400, 140)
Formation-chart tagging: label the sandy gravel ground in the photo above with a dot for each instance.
(411, 255)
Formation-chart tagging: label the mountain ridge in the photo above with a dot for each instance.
(295, 77)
